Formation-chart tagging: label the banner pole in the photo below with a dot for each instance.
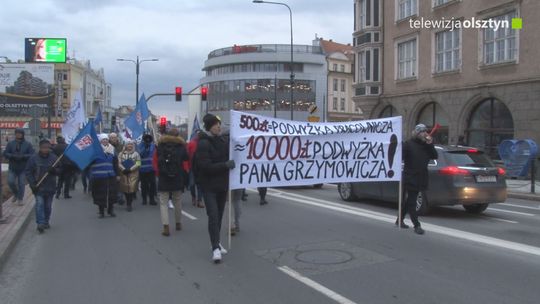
(47, 173)
(400, 201)
(229, 230)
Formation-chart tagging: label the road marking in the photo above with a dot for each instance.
(519, 206)
(318, 287)
(460, 234)
(502, 220)
(189, 216)
(513, 212)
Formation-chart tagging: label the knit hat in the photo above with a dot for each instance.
(44, 141)
(60, 140)
(103, 136)
(210, 120)
(147, 138)
(420, 128)
(19, 130)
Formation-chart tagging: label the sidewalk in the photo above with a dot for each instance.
(521, 189)
(15, 220)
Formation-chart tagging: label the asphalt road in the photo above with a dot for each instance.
(306, 246)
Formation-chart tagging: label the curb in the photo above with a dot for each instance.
(524, 196)
(17, 226)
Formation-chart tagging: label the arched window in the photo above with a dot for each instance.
(490, 123)
(388, 111)
(432, 114)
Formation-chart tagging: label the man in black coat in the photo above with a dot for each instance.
(417, 152)
(17, 152)
(213, 162)
(68, 168)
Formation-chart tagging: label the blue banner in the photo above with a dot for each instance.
(135, 121)
(85, 148)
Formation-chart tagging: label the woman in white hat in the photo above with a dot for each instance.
(103, 175)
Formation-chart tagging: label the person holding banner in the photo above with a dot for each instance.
(129, 163)
(40, 166)
(214, 165)
(417, 152)
(103, 172)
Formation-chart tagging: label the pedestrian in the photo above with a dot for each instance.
(168, 163)
(194, 187)
(129, 163)
(18, 151)
(214, 166)
(114, 140)
(67, 168)
(262, 195)
(236, 196)
(103, 172)
(37, 167)
(417, 152)
(146, 172)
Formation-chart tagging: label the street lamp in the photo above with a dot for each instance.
(137, 64)
(292, 61)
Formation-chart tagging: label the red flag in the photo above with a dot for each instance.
(434, 129)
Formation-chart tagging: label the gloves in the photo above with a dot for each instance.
(125, 171)
(230, 164)
(34, 189)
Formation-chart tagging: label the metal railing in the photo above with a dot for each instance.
(265, 48)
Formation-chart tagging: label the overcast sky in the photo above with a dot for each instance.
(180, 33)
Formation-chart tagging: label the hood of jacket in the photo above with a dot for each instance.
(172, 139)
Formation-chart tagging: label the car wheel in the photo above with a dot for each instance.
(422, 205)
(317, 186)
(476, 208)
(346, 192)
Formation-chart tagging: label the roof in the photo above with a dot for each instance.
(330, 46)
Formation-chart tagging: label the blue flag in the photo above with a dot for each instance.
(196, 127)
(135, 121)
(85, 148)
(98, 118)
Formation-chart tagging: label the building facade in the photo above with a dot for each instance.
(256, 78)
(482, 84)
(340, 74)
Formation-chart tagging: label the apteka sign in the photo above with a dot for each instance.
(271, 152)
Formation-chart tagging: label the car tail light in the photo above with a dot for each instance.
(472, 151)
(501, 171)
(452, 170)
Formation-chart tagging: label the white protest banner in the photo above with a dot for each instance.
(75, 118)
(271, 152)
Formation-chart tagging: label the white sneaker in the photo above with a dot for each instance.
(216, 256)
(171, 205)
(222, 250)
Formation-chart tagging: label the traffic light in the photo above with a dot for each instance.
(204, 93)
(163, 125)
(178, 93)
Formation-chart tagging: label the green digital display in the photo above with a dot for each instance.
(45, 50)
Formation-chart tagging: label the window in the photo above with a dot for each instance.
(432, 114)
(440, 2)
(334, 104)
(65, 76)
(342, 68)
(334, 68)
(342, 104)
(335, 85)
(388, 111)
(361, 66)
(447, 48)
(342, 85)
(65, 94)
(500, 46)
(406, 53)
(362, 15)
(406, 8)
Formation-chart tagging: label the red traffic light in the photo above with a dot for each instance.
(178, 93)
(204, 93)
(163, 121)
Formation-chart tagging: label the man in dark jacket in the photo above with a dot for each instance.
(37, 167)
(146, 172)
(172, 179)
(213, 164)
(17, 151)
(68, 168)
(417, 152)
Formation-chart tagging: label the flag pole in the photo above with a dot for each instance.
(400, 201)
(229, 230)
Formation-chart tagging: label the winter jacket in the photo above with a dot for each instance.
(416, 156)
(36, 167)
(18, 152)
(212, 155)
(180, 181)
(103, 168)
(146, 151)
(129, 181)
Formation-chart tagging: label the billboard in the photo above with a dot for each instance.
(23, 86)
(51, 50)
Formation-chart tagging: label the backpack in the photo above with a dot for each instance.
(169, 163)
(195, 168)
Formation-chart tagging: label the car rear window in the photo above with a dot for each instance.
(466, 158)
